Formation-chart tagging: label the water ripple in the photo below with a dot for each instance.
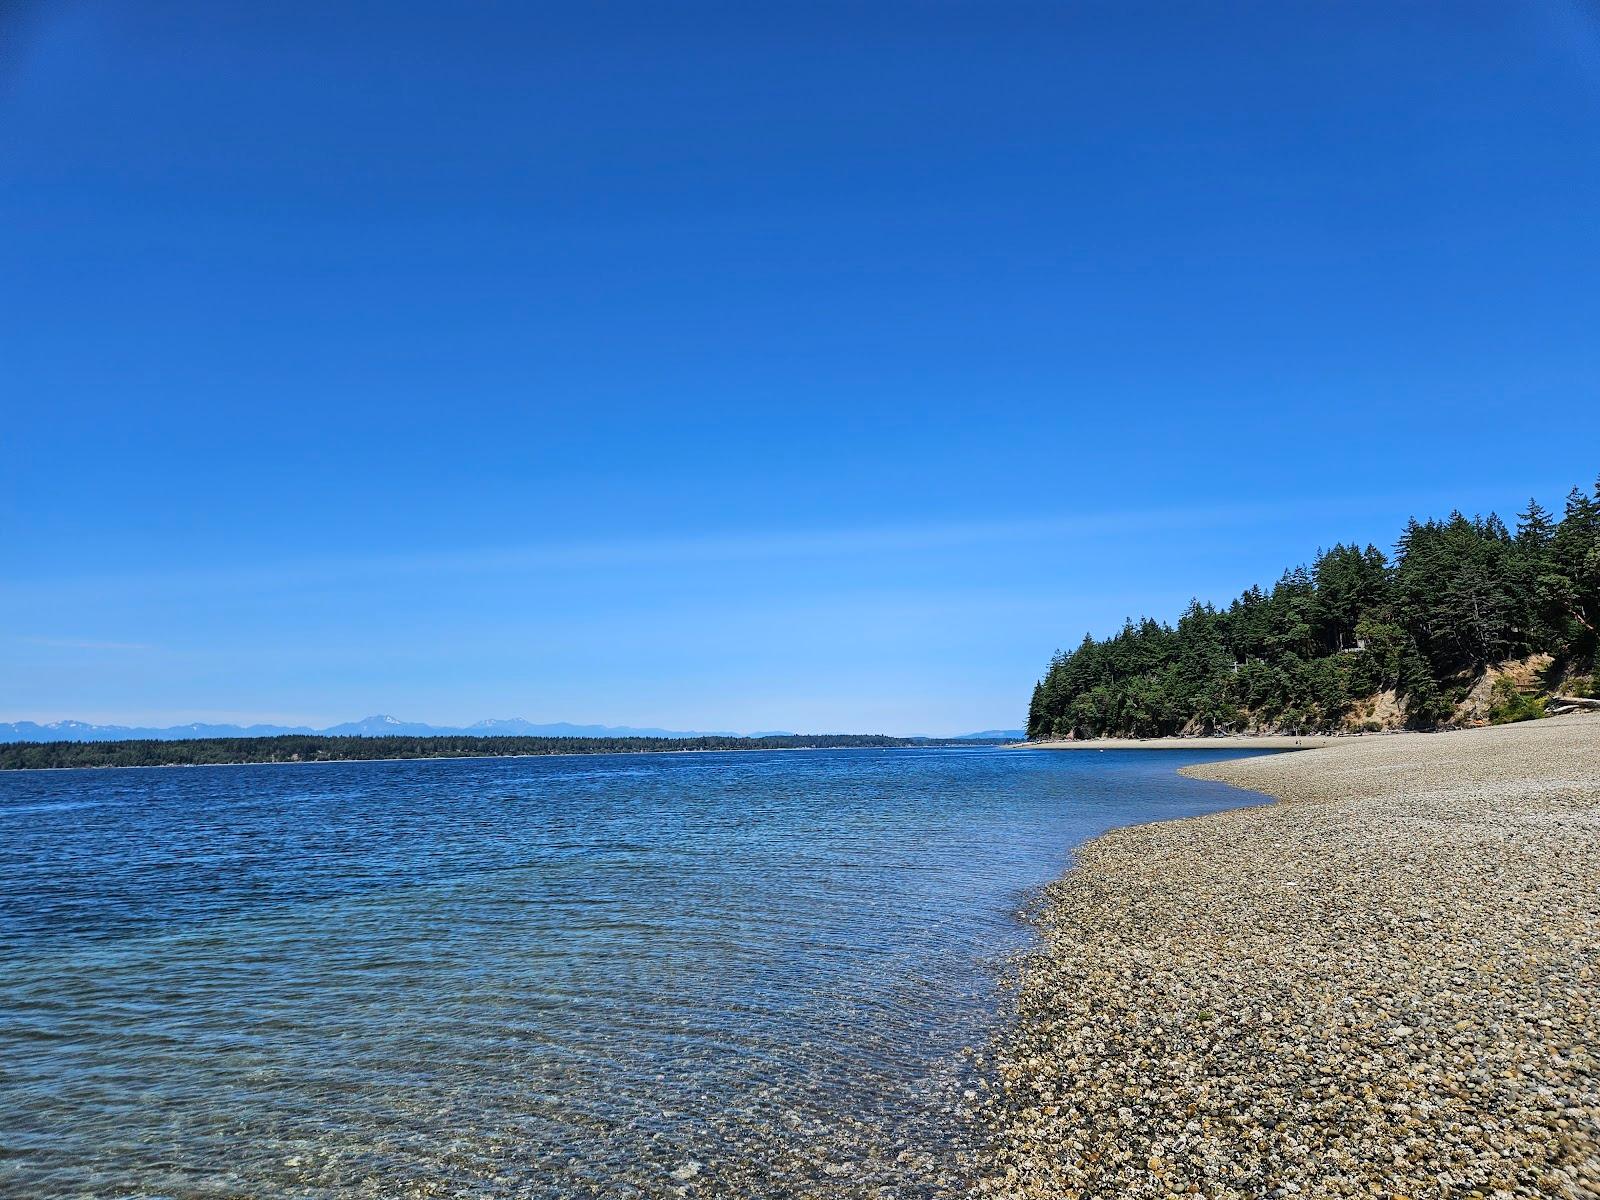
(642, 976)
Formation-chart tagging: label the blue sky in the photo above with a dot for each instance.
(809, 366)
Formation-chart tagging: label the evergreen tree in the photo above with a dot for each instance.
(1459, 595)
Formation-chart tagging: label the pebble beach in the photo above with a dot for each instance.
(1382, 985)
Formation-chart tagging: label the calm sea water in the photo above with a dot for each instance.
(745, 974)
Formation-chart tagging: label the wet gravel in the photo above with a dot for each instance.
(1383, 986)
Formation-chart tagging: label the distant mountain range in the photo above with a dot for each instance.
(379, 726)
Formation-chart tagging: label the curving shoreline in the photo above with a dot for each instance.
(1384, 985)
(1233, 741)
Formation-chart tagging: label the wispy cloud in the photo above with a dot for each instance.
(702, 549)
(72, 643)
(680, 550)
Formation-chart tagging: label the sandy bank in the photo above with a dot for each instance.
(1386, 985)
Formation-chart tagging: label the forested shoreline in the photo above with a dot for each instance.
(294, 748)
(1357, 640)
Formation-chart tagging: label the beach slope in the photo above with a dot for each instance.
(1252, 741)
(1384, 985)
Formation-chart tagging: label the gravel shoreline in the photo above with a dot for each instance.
(1384, 985)
(1236, 741)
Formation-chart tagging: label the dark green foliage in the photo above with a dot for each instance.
(1461, 594)
(1455, 587)
(1511, 705)
(311, 748)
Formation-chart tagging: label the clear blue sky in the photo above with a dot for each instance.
(811, 366)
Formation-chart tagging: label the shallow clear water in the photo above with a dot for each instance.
(623, 975)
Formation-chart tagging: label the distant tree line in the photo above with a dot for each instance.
(1459, 595)
(293, 748)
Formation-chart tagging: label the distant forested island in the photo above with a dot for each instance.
(193, 752)
(1469, 621)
